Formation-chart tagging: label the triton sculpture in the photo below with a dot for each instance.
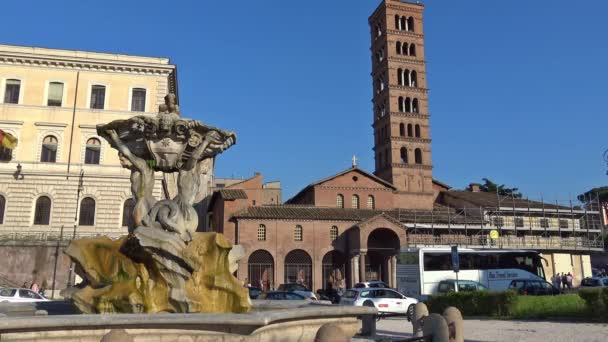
(163, 265)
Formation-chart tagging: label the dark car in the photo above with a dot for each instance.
(281, 295)
(533, 287)
(254, 292)
(595, 282)
(299, 289)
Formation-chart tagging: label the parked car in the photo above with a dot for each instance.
(281, 295)
(15, 295)
(594, 282)
(254, 292)
(533, 287)
(299, 289)
(372, 284)
(384, 300)
(449, 285)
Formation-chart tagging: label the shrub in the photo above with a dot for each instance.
(594, 299)
(565, 306)
(477, 303)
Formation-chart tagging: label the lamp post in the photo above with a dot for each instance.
(80, 189)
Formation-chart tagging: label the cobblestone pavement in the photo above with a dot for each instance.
(507, 331)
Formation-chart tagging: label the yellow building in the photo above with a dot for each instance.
(62, 178)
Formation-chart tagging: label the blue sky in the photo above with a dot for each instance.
(517, 89)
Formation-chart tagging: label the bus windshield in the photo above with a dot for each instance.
(526, 261)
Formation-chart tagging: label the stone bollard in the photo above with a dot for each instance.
(117, 335)
(331, 333)
(437, 327)
(368, 325)
(420, 312)
(455, 324)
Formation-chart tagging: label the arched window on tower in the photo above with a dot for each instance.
(417, 131)
(398, 48)
(401, 109)
(355, 202)
(415, 107)
(402, 129)
(404, 49)
(408, 105)
(371, 204)
(404, 155)
(409, 130)
(400, 76)
(418, 156)
(378, 30)
(410, 24)
(339, 201)
(407, 81)
(412, 50)
(397, 22)
(414, 79)
(403, 23)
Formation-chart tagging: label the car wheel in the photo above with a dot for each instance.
(369, 303)
(410, 312)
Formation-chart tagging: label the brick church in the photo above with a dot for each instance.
(350, 226)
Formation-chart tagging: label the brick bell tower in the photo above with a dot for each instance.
(402, 140)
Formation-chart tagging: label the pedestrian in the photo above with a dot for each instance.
(564, 280)
(569, 280)
(24, 286)
(554, 280)
(34, 287)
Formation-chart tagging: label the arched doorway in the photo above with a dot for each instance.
(261, 270)
(382, 244)
(298, 268)
(334, 270)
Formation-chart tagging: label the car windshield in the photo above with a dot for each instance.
(350, 294)
(359, 285)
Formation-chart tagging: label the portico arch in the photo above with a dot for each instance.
(334, 270)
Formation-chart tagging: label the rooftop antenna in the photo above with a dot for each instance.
(354, 161)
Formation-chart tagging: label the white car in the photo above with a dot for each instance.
(13, 295)
(373, 283)
(384, 300)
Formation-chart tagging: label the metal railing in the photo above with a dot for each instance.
(51, 236)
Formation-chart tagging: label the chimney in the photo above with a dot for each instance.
(474, 187)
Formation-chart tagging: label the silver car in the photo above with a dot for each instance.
(13, 295)
(384, 300)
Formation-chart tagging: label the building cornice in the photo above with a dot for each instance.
(11, 122)
(50, 124)
(69, 109)
(353, 188)
(408, 89)
(411, 139)
(83, 64)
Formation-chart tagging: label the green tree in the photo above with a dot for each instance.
(502, 190)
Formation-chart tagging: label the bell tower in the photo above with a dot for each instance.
(402, 140)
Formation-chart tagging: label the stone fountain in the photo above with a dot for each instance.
(163, 264)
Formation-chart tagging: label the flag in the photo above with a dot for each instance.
(7, 140)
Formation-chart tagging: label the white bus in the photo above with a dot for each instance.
(419, 271)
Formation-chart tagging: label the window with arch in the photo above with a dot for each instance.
(98, 97)
(49, 149)
(2, 208)
(400, 76)
(92, 151)
(418, 155)
(402, 129)
(404, 49)
(382, 110)
(402, 23)
(87, 212)
(333, 233)
(378, 30)
(403, 155)
(397, 22)
(297, 233)
(401, 106)
(138, 100)
(413, 79)
(417, 131)
(410, 24)
(261, 232)
(409, 130)
(412, 50)
(6, 155)
(127, 212)
(12, 90)
(371, 203)
(380, 55)
(339, 201)
(55, 95)
(407, 104)
(415, 106)
(42, 211)
(354, 201)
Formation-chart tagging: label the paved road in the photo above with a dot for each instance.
(507, 331)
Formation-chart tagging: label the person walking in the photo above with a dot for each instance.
(555, 280)
(564, 281)
(569, 280)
